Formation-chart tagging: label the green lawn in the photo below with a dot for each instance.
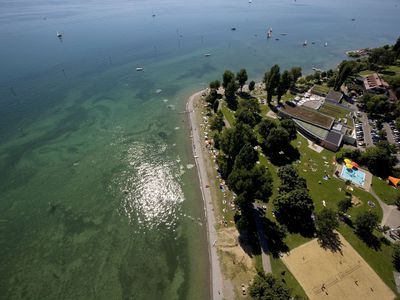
(229, 114)
(395, 69)
(386, 192)
(323, 89)
(282, 273)
(366, 72)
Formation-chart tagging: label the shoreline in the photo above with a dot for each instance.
(216, 276)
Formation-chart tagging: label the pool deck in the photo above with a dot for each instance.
(367, 180)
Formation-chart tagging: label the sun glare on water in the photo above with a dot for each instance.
(150, 188)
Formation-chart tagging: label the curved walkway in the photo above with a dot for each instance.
(391, 215)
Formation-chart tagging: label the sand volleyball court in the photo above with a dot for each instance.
(333, 275)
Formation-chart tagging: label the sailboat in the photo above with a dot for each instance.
(305, 43)
(326, 45)
(59, 35)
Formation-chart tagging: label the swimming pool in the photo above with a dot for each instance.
(354, 175)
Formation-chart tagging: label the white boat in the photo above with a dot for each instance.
(250, 1)
(59, 34)
(139, 69)
(207, 54)
(305, 43)
(269, 33)
(326, 45)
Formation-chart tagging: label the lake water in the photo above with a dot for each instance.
(97, 197)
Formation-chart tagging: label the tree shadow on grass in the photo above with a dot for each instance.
(275, 235)
(330, 241)
(248, 239)
(290, 154)
(371, 240)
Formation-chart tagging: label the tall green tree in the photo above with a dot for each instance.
(230, 95)
(295, 72)
(271, 80)
(241, 77)
(214, 85)
(217, 121)
(345, 70)
(267, 287)
(290, 127)
(326, 222)
(290, 179)
(294, 209)
(233, 139)
(283, 85)
(227, 77)
(344, 205)
(277, 140)
(265, 127)
(365, 223)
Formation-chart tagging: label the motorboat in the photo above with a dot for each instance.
(139, 69)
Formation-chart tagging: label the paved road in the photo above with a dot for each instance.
(389, 133)
(391, 215)
(367, 130)
(266, 262)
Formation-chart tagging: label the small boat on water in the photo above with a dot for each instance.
(250, 1)
(59, 34)
(207, 54)
(138, 69)
(305, 43)
(326, 45)
(269, 33)
(283, 34)
(233, 28)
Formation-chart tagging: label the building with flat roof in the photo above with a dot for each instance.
(316, 126)
(334, 97)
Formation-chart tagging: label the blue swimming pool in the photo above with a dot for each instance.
(354, 175)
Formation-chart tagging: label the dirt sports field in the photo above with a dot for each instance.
(327, 275)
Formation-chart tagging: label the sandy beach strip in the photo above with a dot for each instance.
(217, 285)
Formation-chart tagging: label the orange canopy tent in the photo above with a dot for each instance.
(395, 181)
(354, 164)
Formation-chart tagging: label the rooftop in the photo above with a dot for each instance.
(374, 81)
(334, 137)
(334, 96)
(308, 115)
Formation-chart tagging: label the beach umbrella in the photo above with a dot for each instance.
(355, 165)
(349, 166)
(347, 161)
(395, 181)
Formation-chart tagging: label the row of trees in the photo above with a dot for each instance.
(278, 84)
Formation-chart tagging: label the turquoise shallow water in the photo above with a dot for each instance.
(98, 199)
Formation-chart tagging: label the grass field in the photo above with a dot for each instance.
(386, 192)
(335, 275)
(321, 89)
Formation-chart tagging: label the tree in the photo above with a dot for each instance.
(277, 140)
(247, 116)
(252, 85)
(396, 47)
(267, 287)
(290, 127)
(295, 72)
(396, 256)
(326, 221)
(365, 223)
(227, 77)
(344, 205)
(294, 209)
(246, 158)
(290, 179)
(345, 70)
(233, 139)
(255, 182)
(241, 77)
(283, 85)
(217, 121)
(271, 80)
(230, 95)
(265, 126)
(379, 160)
(214, 85)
